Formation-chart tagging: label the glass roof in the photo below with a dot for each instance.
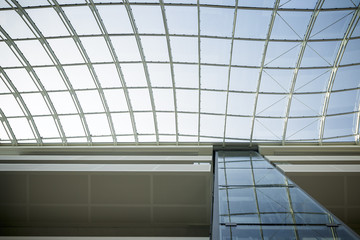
(179, 71)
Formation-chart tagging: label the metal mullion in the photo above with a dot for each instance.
(199, 65)
(350, 29)
(271, 24)
(23, 14)
(298, 63)
(142, 54)
(8, 128)
(88, 62)
(171, 68)
(117, 65)
(21, 104)
(229, 72)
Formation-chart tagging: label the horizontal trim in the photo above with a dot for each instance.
(315, 168)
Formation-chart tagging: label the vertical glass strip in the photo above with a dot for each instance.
(254, 200)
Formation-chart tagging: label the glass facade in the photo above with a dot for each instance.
(254, 200)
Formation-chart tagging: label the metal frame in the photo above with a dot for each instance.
(303, 41)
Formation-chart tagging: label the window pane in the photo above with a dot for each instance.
(148, 19)
(247, 53)
(21, 128)
(80, 77)
(164, 99)
(166, 123)
(140, 99)
(9, 106)
(215, 51)
(82, 20)
(211, 125)
(186, 75)
(90, 101)
(34, 52)
(96, 49)
(21, 79)
(184, 49)
(107, 75)
(66, 50)
(144, 123)
(118, 14)
(126, 48)
(160, 75)
(50, 78)
(35, 103)
(182, 20)
(98, 124)
(213, 102)
(241, 104)
(63, 102)
(216, 21)
(122, 123)
(72, 125)
(155, 48)
(214, 77)
(116, 100)
(14, 25)
(188, 124)
(187, 100)
(238, 127)
(46, 127)
(134, 75)
(252, 23)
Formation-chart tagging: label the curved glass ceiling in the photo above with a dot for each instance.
(179, 71)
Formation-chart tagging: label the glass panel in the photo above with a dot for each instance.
(3, 87)
(96, 49)
(303, 128)
(212, 125)
(144, 123)
(268, 177)
(147, 138)
(21, 80)
(107, 75)
(188, 125)
(166, 123)
(169, 139)
(302, 203)
(63, 102)
(9, 106)
(235, 177)
(72, 126)
(347, 77)
(48, 22)
(3, 134)
(187, 100)
(237, 164)
(276, 218)
(46, 127)
(35, 103)
(247, 53)
(216, 21)
(155, 48)
(244, 79)
(21, 128)
(313, 218)
(116, 100)
(273, 199)
(290, 25)
(213, 77)
(8, 59)
(312, 80)
(90, 101)
(126, 139)
(339, 125)
(186, 75)
(164, 99)
(331, 24)
(126, 48)
(282, 54)
(80, 77)
(341, 102)
(320, 53)
(66, 50)
(148, 19)
(138, 103)
(102, 139)
(160, 75)
(241, 103)
(241, 232)
(276, 80)
(82, 20)
(14, 25)
(34, 52)
(279, 232)
(134, 75)
(33, 3)
(252, 23)
(122, 123)
(307, 104)
(98, 124)
(352, 52)
(184, 49)
(271, 105)
(237, 200)
(115, 14)
(310, 4)
(50, 78)
(238, 127)
(215, 51)
(267, 128)
(213, 102)
(182, 20)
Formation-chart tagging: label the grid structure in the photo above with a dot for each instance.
(255, 201)
(183, 71)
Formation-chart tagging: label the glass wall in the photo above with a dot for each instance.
(254, 200)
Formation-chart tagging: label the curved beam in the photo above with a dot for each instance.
(199, 65)
(350, 29)
(229, 72)
(21, 104)
(117, 65)
(8, 128)
(171, 68)
(88, 62)
(142, 54)
(271, 24)
(298, 63)
(32, 26)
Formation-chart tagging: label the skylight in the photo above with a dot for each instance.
(175, 72)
